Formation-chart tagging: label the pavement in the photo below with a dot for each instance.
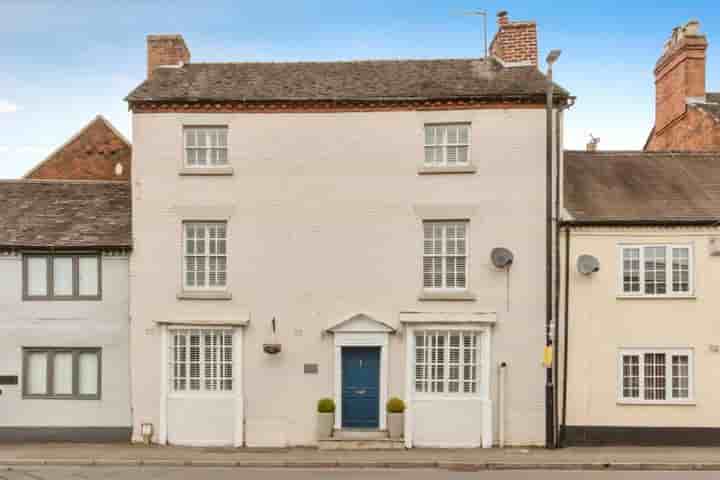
(578, 458)
(224, 473)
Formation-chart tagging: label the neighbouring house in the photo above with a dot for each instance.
(687, 116)
(97, 152)
(64, 362)
(641, 245)
(324, 229)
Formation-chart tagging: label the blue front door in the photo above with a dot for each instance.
(360, 387)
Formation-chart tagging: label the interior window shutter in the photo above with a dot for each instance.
(62, 373)
(63, 276)
(36, 373)
(88, 366)
(37, 276)
(88, 273)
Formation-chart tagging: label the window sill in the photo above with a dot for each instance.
(656, 297)
(442, 170)
(446, 295)
(657, 403)
(206, 171)
(212, 295)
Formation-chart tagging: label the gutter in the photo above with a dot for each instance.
(673, 222)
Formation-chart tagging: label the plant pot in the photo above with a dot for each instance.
(396, 425)
(326, 423)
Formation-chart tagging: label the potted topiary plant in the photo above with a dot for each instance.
(395, 417)
(326, 417)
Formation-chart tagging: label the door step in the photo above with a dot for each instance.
(360, 440)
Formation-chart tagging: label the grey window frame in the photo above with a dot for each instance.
(50, 293)
(50, 353)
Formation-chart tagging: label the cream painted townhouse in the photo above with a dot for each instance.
(642, 249)
(324, 229)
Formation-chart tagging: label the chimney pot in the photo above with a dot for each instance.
(503, 17)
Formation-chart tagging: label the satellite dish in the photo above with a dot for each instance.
(587, 264)
(501, 257)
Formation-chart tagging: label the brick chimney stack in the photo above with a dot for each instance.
(680, 73)
(166, 50)
(515, 43)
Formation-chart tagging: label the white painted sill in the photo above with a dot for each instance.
(658, 403)
(449, 295)
(425, 170)
(207, 171)
(656, 297)
(202, 295)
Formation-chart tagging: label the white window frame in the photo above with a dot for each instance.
(207, 148)
(668, 352)
(203, 390)
(479, 365)
(206, 255)
(668, 270)
(444, 145)
(444, 256)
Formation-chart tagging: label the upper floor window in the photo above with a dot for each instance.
(205, 263)
(656, 270)
(206, 147)
(61, 277)
(447, 145)
(655, 375)
(445, 255)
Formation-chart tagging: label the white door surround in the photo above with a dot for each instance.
(464, 405)
(234, 399)
(361, 330)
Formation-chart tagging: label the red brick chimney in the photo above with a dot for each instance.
(679, 73)
(515, 42)
(166, 50)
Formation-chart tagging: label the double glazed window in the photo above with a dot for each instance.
(61, 277)
(447, 145)
(201, 360)
(205, 255)
(652, 270)
(445, 255)
(206, 147)
(656, 376)
(71, 373)
(447, 361)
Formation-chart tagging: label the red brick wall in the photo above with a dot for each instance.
(696, 131)
(92, 155)
(166, 50)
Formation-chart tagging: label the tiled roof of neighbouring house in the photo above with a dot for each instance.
(711, 105)
(51, 213)
(374, 80)
(608, 187)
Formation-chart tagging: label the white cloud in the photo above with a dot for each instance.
(7, 107)
(4, 149)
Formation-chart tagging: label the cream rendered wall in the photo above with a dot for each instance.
(600, 324)
(322, 225)
(101, 323)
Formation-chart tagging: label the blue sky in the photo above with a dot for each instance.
(63, 62)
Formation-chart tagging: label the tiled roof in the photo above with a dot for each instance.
(374, 80)
(40, 213)
(642, 186)
(712, 104)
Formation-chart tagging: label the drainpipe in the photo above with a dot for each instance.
(565, 336)
(501, 404)
(549, 376)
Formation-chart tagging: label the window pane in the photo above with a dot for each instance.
(63, 276)
(680, 377)
(654, 373)
(36, 373)
(37, 276)
(88, 272)
(680, 269)
(655, 264)
(88, 373)
(631, 270)
(631, 376)
(62, 373)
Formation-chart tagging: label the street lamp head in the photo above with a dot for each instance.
(553, 56)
